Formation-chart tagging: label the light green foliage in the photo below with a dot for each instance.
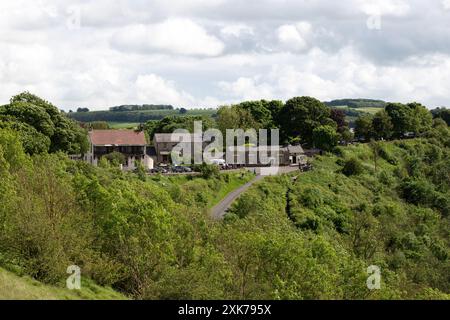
(359, 220)
(235, 117)
(307, 238)
(13, 287)
(325, 137)
(208, 171)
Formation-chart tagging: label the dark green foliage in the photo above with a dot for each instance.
(417, 191)
(352, 167)
(31, 112)
(115, 158)
(301, 115)
(134, 107)
(137, 116)
(442, 113)
(172, 123)
(338, 116)
(382, 125)
(363, 127)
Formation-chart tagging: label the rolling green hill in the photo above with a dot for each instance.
(139, 116)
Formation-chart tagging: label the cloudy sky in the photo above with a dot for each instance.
(96, 54)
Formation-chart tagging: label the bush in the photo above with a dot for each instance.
(417, 192)
(115, 158)
(387, 156)
(352, 167)
(311, 198)
(208, 170)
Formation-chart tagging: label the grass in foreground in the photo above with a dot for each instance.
(13, 287)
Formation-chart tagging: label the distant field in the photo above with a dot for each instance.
(371, 110)
(123, 125)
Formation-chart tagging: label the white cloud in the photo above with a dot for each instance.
(385, 7)
(247, 89)
(294, 36)
(446, 4)
(177, 36)
(208, 52)
(153, 88)
(347, 74)
(236, 30)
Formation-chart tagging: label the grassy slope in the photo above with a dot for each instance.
(13, 287)
(401, 218)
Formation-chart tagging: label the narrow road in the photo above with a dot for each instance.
(220, 209)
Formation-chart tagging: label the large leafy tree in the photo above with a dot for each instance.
(325, 137)
(400, 115)
(421, 119)
(262, 111)
(382, 125)
(363, 127)
(171, 123)
(32, 140)
(412, 117)
(442, 113)
(275, 107)
(29, 113)
(338, 116)
(301, 115)
(235, 117)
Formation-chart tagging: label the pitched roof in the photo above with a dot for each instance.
(177, 137)
(295, 149)
(117, 137)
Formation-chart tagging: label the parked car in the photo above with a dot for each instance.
(159, 170)
(226, 166)
(177, 169)
(181, 169)
(219, 162)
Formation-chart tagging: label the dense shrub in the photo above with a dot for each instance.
(352, 167)
(207, 171)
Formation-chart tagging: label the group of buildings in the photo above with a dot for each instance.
(133, 145)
